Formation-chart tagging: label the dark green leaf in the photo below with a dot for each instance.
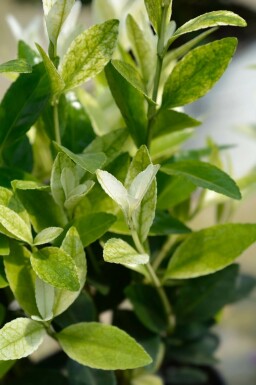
(131, 104)
(92, 227)
(197, 72)
(186, 376)
(81, 375)
(204, 175)
(210, 250)
(165, 224)
(167, 121)
(25, 52)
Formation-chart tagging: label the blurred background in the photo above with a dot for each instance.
(228, 113)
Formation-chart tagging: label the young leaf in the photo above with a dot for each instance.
(96, 345)
(21, 277)
(89, 53)
(88, 162)
(118, 251)
(57, 84)
(44, 299)
(56, 267)
(197, 72)
(167, 121)
(47, 235)
(73, 246)
(154, 9)
(77, 194)
(131, 103)
(204, 175)
(210, 250)
(56, 12)
(20, 338)
(15, 225)
(19, 65)
(92, 226)
(114, 188)
(208, 20)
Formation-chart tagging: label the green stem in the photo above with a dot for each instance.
(163, 252)
(56, 123)
(159, 65)
(156, 282)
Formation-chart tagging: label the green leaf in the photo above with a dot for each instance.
(55, 16)
(142, 48)
(21, 277)
(88, 162)
(4, 245)
(111, 144)
(197, 72)
(131, 74)
(44, 299)
(165, 224)
(31, 93)
(57, 84)
(73, 246)
(89, 53)
(154, 9)
(3, 279)
(15, 225)
(176, 191)
(91, 227)
(20, 338)
(47, 235)
(5, 366)
(187, 376)
(26, 53)
(208, 20)
(118, 251)
(18, 65)
(81, 375)
(56, 267)
(210, 250)
(167, 121)
(78, 194)
(204, 175)
(96, 345)
(130, 102)
(147, 379)
(203, 297)
(42, 209)
(148, 307)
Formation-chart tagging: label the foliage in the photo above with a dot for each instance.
(102, 216)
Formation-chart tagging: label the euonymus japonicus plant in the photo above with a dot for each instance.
(96, 200)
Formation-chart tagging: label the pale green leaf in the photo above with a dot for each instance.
(73, 246)
(57, 84)
(210, 250)
(147, 379)
(118, 251)
(204, 175)
(197, 72)
(47, 5)
(18, 65)
(21, 277)
(88, 162)
(211, 19)
(44, 299)
(89, 53)
(15, 225)
(57, 12)
(114, 188)
(78, 194)
(154, 9)
(20, 338)
(102, 347)
(47, 235)
(68, 180)
(56, 267)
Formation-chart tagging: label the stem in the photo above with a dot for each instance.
(163, 252)
(156, 282)
(159, 64)
(56, 122)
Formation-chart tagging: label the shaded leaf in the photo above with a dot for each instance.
(165, 224)
(44, 299)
